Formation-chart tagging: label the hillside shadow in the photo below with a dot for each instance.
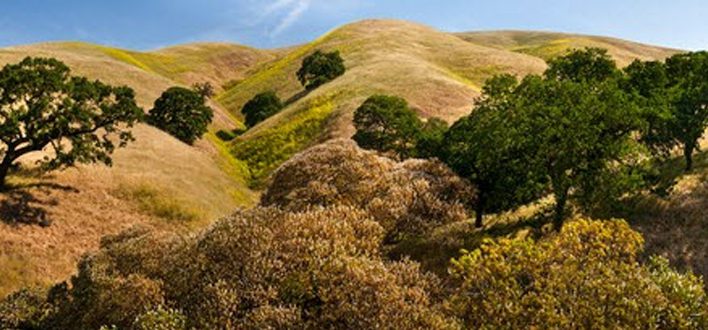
(435, 251)
(297, 97)
(668, 172)
(27, 204)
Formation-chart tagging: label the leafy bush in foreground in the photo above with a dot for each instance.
(261, 268)
(588, 277)
(319, 264)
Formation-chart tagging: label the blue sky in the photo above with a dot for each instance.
(150, 24)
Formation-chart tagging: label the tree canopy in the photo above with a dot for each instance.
(675, 94)
(487, 148)
(260, 107)
(81, 121)
(320, 68)
(386, 123)
(578, 124)
(182, 113)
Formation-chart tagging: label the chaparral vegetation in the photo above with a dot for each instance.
(539, 188)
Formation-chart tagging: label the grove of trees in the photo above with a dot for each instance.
(75, 120)
(182, 113)
(579, 131)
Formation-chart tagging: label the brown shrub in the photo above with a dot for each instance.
(259, 268)
(406, 198)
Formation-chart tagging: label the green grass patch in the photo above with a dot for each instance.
(155, 202)
(266, 150)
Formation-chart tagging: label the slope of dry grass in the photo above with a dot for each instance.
(156, 181)
(547, 45)
(439, 74)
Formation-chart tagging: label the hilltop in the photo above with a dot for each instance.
(160, 182)
(546, 45)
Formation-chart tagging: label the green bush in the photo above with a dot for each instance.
(586, 277)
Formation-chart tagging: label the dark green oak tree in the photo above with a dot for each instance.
(487, 148)
(386, 123)
(320, 68)
(688, 74)
(260, 107)
(181, 112)
(674, 95)
(73, 119)
(579, 125)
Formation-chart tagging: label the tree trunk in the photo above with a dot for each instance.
(688, 155)
(479, 218)
(4, 169)
(559, 214)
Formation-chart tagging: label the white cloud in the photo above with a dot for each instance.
(295, 9)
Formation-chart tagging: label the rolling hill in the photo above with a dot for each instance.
(160, 182)
(550, 44)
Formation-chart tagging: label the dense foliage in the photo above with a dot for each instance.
(405, 198)
(320, 68)
(260, 107)
(586, 277)
(182, 113)
(386, 123)
(674, 94)
(43, 106)
(485, 147)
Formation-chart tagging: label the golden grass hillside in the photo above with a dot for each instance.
(156, 181)
(438, 73)
(547, 45)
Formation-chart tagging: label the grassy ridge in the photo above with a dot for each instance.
(546, 45)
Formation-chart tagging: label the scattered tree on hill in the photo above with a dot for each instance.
(182, 113)
(205, 89)
(260, 107)
(320, 68)
(42, 105)
(676, 96)
(386, 123)
(486, 147)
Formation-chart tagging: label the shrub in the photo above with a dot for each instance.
(260, 107)
(406, 198)
(182, 113)
(320, 68)
(259, 268)
(587, 276)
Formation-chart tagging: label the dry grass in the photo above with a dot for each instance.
(439, 74)
(163, 183)
(550, 44)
